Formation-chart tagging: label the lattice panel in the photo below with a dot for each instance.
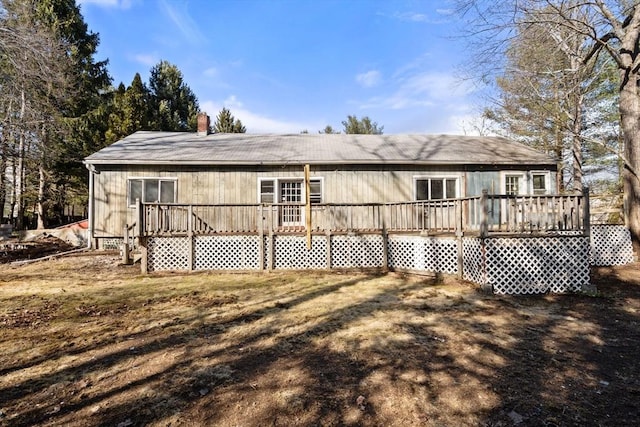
(240, 252)
(423, 253)
(357, 251)
(611, 245)
(537, 265)
(440, 255)
(291, 253)
(404, 252)
(111, 243)
(267, 252)
(473, 266)
(168, 253)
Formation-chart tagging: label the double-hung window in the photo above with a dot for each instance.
(512, 184)
(315, 191)
(539, 182)
(151, 190)
(520, 183)
(436, 188)
(291, 192)
(288, 190)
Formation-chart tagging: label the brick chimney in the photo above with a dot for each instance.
(203, 124)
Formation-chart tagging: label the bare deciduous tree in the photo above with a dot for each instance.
(35, 77)
(611, 27)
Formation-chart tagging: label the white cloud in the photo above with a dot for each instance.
(183, 21)
(436, 86)
(436, 120)
(112, 4)
(232, 102)
(369, 79)
(421, 89)
(211, 72)
(255, 122)
(445, 12)
(417, 17)
(146, 59)
(411, 16)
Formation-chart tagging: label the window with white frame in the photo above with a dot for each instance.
(513, 184)
(267, 191)
(315, 191)
(436, 188)
(534, 182)
(151, 190)
(288, 190)
(539, 182)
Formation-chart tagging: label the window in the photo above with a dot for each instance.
(315, 191)
(288, 190)
(512, 184)
(267, 191)
(436, 188)
(539, 182)
(152, 190)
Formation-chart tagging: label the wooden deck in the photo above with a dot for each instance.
(472, 215)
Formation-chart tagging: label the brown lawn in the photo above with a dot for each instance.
(86, 341)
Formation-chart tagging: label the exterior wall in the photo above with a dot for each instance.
(355, 184)
(478, 181)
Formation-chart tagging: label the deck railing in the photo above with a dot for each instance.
(483, 214)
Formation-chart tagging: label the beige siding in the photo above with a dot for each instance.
(240, 186)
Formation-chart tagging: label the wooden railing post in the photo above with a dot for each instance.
(126, 249)
(484, 214)
(271, 224)
(586, 211)
(459, 236)
(385, 238)
(261, 235)
(190, 255)
(139, 224)
(140, 230)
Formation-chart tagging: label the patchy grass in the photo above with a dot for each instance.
(86, 341)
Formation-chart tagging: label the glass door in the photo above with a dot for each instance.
(291, 192)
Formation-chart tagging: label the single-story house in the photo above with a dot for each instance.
(203, 168)
(485, 208)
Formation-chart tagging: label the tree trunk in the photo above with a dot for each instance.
(42, 178)
(630, 121)
(18, 172)
(19, 176)
(576, 144)
(3, 179)
(40, 203)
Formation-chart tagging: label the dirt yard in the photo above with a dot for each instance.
(86, 341)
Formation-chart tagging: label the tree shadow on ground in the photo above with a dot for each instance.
(412, 353)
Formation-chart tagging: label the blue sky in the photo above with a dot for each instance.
(285, 66)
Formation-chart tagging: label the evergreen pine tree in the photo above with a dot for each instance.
(226, 123)
(173, 106)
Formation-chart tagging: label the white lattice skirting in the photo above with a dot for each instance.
(290, 253)
(509, 265)
(537, 265)
(168, 253)
(423, 253)
(473, 261)
(242, 252)
(357, 251)
(611, 245)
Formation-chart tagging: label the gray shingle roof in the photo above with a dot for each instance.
(181, 148)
